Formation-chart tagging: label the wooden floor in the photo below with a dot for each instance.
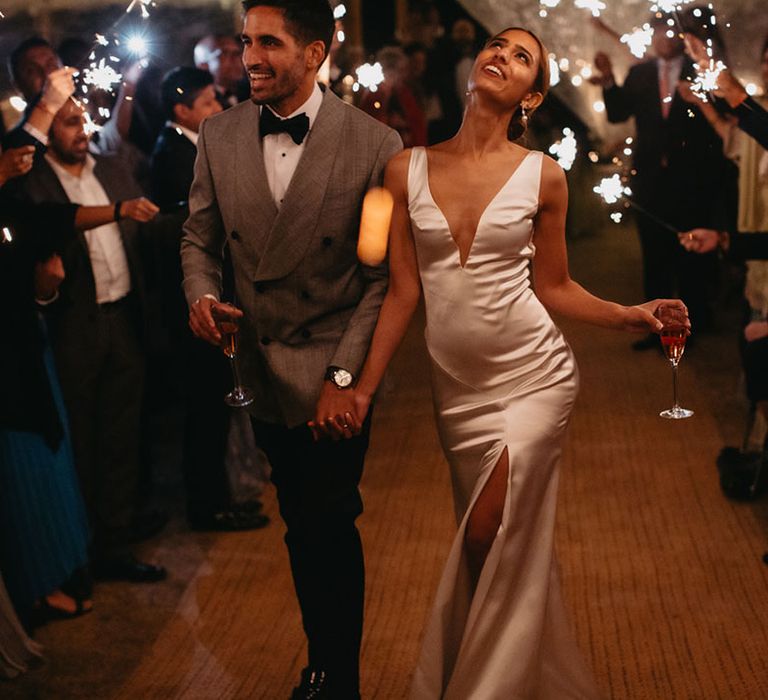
(663, 576)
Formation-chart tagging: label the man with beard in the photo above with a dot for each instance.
(95, 331)
(281, 178)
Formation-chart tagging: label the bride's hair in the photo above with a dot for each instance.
(518, 125)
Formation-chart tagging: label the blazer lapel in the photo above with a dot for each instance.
(258, 207)
(299, 215)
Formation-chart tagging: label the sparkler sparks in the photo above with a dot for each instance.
(706, 79)
(101, 76)
(565, 150)
(370, 76)
(612, 189)
(7, 235)
(638, 40)
(595, 6)
(141, 4)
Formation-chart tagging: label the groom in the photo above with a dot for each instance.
(281, 179)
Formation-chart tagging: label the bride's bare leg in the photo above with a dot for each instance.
(485, 518)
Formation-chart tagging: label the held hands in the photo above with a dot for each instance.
(16, 162)
(340, 413)
(643, 317)
(139, 209)
(201, 320)
(59, 87)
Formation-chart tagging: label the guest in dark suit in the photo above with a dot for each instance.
(221, 56)
(96, 336)
(680, 173)
(188, 98)
(282, 178)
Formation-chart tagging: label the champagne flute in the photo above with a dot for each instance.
(227, 324)
(673, 335)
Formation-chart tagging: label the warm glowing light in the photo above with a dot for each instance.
(374, 226)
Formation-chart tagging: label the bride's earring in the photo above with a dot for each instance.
(524, 116)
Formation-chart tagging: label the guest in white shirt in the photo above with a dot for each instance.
(96, 332)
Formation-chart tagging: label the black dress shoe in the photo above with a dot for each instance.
(230, 520)
(126, 567)
(313, 686)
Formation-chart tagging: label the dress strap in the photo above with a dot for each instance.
(417, 172)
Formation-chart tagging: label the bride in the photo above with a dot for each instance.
(479, 225)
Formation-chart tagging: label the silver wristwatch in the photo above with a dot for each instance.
(340, 377)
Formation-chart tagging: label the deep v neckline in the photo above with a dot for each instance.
(463, 264)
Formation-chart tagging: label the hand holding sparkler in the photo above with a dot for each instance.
(139, 209)
(703, 240)
(58, 88)
(604, 70)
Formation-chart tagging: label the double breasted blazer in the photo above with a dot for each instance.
(308, 302)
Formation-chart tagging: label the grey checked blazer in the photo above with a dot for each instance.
(308, 301)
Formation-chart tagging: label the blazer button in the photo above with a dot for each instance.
(327, 241)
(261, 288)
(304, 294)
(266, 340)
(235, 236)
(305, 334)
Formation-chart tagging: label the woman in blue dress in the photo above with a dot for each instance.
(43, 527)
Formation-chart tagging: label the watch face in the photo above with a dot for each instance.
(342, 378)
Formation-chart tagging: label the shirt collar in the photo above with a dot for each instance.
(183, 131)
(311, 107)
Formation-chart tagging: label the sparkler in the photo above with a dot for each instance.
(370, 76)
(7, 235)
(143, 4)
(594, 6)
(565, 150)
(638, 40)
(101, 75)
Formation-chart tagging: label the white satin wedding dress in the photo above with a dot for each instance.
(503, 377)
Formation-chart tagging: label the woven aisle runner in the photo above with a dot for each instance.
(662, 575)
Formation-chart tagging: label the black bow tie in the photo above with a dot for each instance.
(296, 127)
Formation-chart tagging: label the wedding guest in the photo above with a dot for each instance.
(282, 179)
(393, 103)
(189, 97)
(680, 173)
(95, 333)
(43, 528)
(29, 64)
(221, 56)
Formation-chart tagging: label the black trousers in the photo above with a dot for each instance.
(317, 490)
(670, 271)
(101, 370)
(206, 426)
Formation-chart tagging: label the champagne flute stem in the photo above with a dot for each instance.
(235, 373)
(675, 405)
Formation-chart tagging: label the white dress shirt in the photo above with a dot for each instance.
(183, 131)
(282, 154)
(105, 244)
